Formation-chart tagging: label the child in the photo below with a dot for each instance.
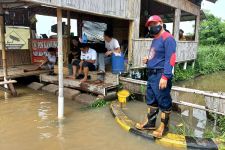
(48, 63)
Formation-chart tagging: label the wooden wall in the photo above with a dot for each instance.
(16, 57)
(115, 8)
(186, 50)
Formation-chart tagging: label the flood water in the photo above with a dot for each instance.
(213, 82)
(196, 119)
(29, 121)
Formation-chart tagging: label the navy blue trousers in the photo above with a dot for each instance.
(157, 97)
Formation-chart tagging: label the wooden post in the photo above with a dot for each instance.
(176, 24)
(193, 64)
(185, 66)
(2, 41)
(79, 27)
(68, 23)
(68, 37)
(197, 24)
(130, 43)
(60, 64)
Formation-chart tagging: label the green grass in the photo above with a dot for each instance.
(97, 104)
(209, 59)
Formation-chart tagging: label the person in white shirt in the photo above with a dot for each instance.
(112, 46)
(86, 63)
(48, 63)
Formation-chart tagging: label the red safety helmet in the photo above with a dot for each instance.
(153, 18)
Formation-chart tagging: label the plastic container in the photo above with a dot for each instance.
(122, 96)
(118, 66)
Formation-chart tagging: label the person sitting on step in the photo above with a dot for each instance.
(86, 63)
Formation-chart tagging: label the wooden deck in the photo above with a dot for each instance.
(110, 84)
(17, 72)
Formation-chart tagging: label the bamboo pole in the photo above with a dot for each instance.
(60, 64)
(2, 41)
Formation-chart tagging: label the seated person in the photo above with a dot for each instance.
(87, 63)
(112, 46)
(181, 35)
(48, 63)
(75, 50)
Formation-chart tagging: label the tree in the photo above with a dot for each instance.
(212, 30)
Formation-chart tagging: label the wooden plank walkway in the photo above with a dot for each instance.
(110, 84)
(17, 71)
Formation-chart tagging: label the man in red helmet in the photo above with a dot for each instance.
(160, 62)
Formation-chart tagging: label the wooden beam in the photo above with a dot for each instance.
(197, 24)
(130, 42)
(179, 89)
(176, 23)
(2, 41)
(184, 5)
(197, 107)
(68, 23)
(79, 26)
(68, 38)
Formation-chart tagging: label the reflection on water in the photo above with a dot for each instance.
(198, 119)
(212, 82)
(29, 122)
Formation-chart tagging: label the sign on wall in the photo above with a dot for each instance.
(17, 37)
(39, 49)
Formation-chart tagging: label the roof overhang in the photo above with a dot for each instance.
(213, 1)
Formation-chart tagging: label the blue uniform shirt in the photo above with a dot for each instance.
(162, 54)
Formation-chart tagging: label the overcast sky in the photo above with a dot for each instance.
(218, 9)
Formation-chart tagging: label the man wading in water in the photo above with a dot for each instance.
(160, 63)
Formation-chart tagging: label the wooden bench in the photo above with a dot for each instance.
(10, 86)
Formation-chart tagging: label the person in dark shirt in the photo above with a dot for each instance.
(164, 27)
(74, 50)
(160, 62)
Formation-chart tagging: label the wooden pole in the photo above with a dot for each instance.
(79, 26)
(197, 24)
(2, 41)
(60, 64)
(68, 37)
(176, 24)
(68, 23)
(130, 43)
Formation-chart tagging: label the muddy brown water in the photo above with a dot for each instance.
(29, 122)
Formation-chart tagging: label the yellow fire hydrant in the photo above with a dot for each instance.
(122, 96)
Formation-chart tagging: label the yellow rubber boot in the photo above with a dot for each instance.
(150, 119)
(163, 127)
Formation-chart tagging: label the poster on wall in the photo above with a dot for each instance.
(39, 49)
(16, 37)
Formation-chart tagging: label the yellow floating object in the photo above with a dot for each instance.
(122, 96)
